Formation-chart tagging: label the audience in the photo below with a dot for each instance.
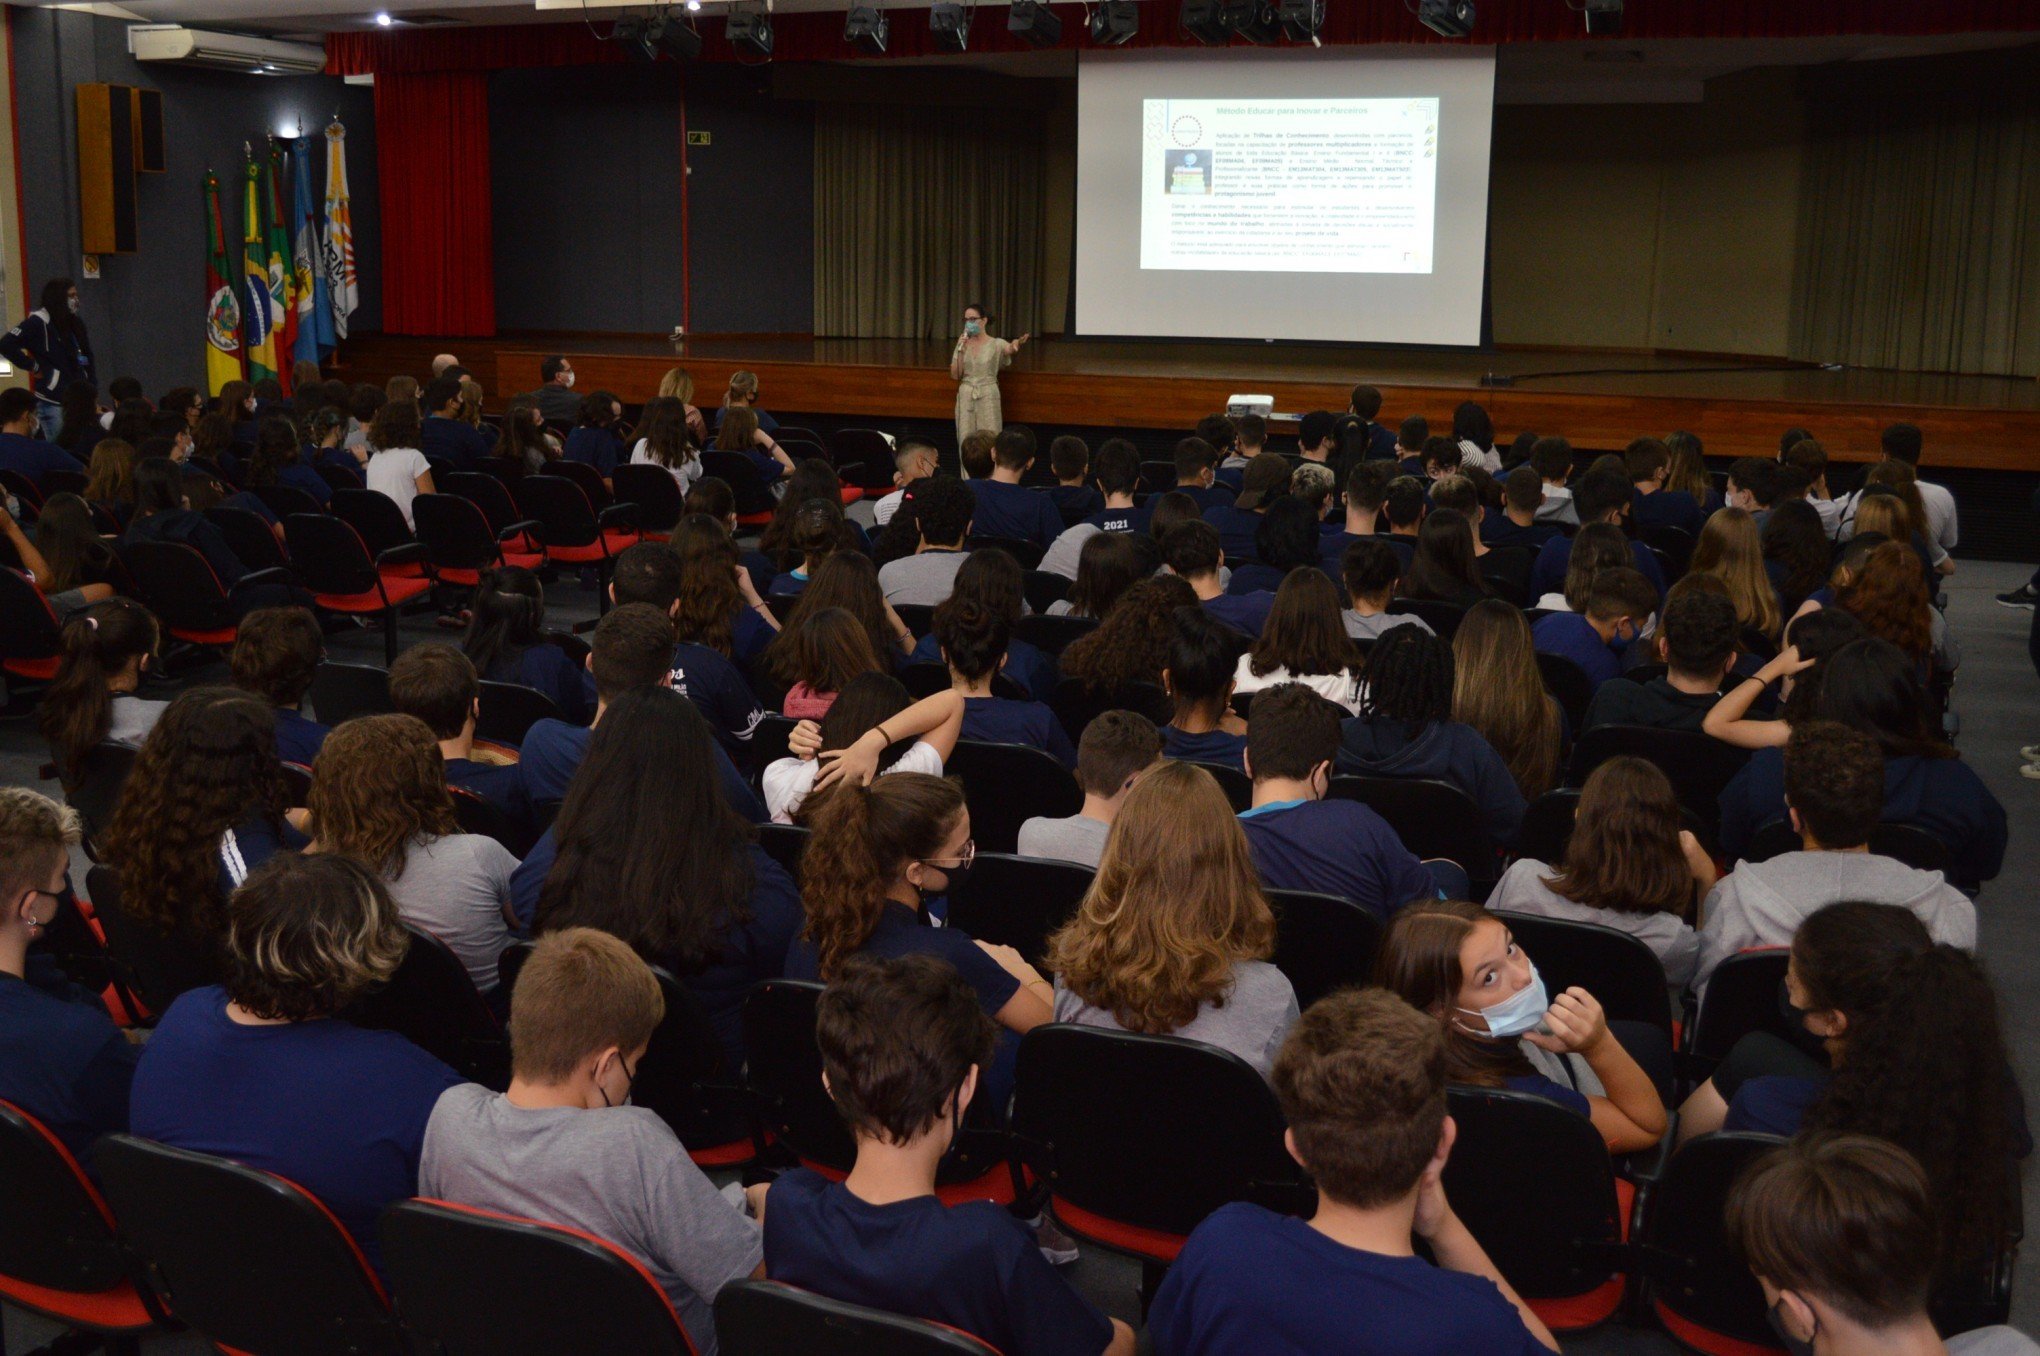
(396, 468)
(914, 459)
(1442, 570)
(1618, 609)
(651, 573)
(1116, 468)
(71, 564)
(1731, 551)
(1108, 564)
(1265, 480)
(848, 581)
(1117, 749)
(1287, 539)
(943, 509)
(1304, 641)
(1370, 569)
(1811, 639)
(1797, 553)
(1658, 504)
(1602, 497)
(1199, 680)
(973, 639)
(1698, 640)
(717, 607)
(594, 440)
(1498, 692)
(1191, 551)
(275, 656)
(1005, 508)
(437, 685)
(872, 703)
(1134, 641)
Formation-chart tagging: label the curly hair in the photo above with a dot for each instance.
(307, 935)
(1595, 548)
(1176, 904)
(378, 785)
(1410, 674)
(1889, 596)
(1132, 643)
(706, 610)
(860, 839)
(1498, 690)
(209, 764)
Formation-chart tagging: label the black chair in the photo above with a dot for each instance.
(22, 488)
(1619, 970)
(1506, 572)
(1007, 784)
(516, 532)
(344, 691)
(1322, 942)
(339, 477)
(1052, 635)
(65, 482)
(336, 566)
(93, 787)
(864, 457)
(248, 537)
(1741, 997)
(653, 492)
(1534, 1184)
(509, 710)
(155, 966)
(925, 680)
(1568, 684)
(59, 1254)
(755, 501)
(1907, 843)
(248, 1259)
(30, 635)
(769, 739)
(1044, 590)
(1674, 549)
(1701, 1290)
(588, 480)
(1028, 553)
(284, 500)
(764, 1318)
(473, 1282)
(458, 542)
(1547, 826)
(1076, 703)
(181, 589)
(380, 524)
(574, 531)
(786, 844)
(1443, 618)
(491, 820)
(1697, 766)
(431, 1001)
(919, 618)
(1018, 901)
(1433, 819)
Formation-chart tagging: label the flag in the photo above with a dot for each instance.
(314, 301)
(255, 278)
(341, 286)
(283, 296)
(222, 311)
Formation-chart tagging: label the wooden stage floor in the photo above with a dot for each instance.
(1599, 400)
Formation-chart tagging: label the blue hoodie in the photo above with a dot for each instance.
(1445, 751)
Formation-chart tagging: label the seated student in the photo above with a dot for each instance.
(279, 459)
(816, 655)
(1731, 550)
(1305, 641)
(1132, 641)
(1552, 459)
(1698, 640)
(1460, 964)
(1196, 470)
(913, 459)
(902, 1040)
(1404, 504)
(594, 441)
(62, 1060)
(1361, 1081)
(814, 533)
(1265, 480)
(379, 794)
(943, 509)
(1405, 729)
(564, 1146)
(1834, 792)
(1366, 491)
(275, 656)
(396, 469)
(163, 513)
(20, 450)
(847, 581)
(1370, 570)
(1752, 485)
(506, 642)
(1410, 437)
(973, 640)
(1597, 548)
(1317, 436)
(1888, 594)
(651, 572)
(1442, 568)
(908, 736)
(1649, 461)
(1618, 609)
(974, 454)
(1174, 936)
(1498, 692)
(1286, 540)
(437, 685)
(1116, 750)
(1250, 437)
(262, 1069)
(1629, 865)
(1191, 551)
(1072, 495)
(1798, 553)
(994, 580)
(1199, 680)
(633, 647)
(71, 565)
(717, 607)
(1913, 1054)
(740, 429)
(1116, 469)
(1006, 508)
(1787, 1216)
(443, 435)
(1517, 524)
(104, 651)
(1602, 497)
(1300, 840)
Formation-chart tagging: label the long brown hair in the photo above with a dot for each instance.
(94, 646)
(70, 542)
(1109, 564)
(709, 598)
(378, 785)
(1625, 854)
(1176, 904)
(110, 476)
(739, 430)
(1889, 596)
(847, 580)
(1305, 633)
(1688, 468)
(824, 650)
(1443, 566)
(1419, 962)
(1902, 480)
(663, 426)
(1498, 690)
(862, 837)
(1132, 643)
(1731, 549)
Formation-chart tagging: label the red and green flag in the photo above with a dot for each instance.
(222, 311)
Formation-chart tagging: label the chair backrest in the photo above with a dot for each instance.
(93, 787)
(1322, 942)
(472, 1282)
(757, 1317)
(373, 515)
(431, 1001)
(1433, 818)
(509, 710)
(654, 491)
(21, 487)
(1148, 1131)
(1568, 683)
(683, 1075)
(490, 820)
(1007, 784)
(1548, 825)
(1018, 901)
(784, 1069)
(786, 844)
(863, 456)
(1697, 766)
(250, 1260)
(586, 477)
(339, 477)
(486, 493)
(747, 487)
(59, 1233)
(331, 554)
(1044, 589)
(1674, 548)
(454, 532)
(769, 739)
(1076, 703)
(29, 631)
(1444, 618)
(248, 536)
(344, 691)
(1237, 785)
(1506, 572)
(1535, 1185)
(1052, 634)
(284, 500)
(179, 586)
(925, 680)
(1028, 553)
(560, 506)
(919, 617)
(1742, 997)
(1702, 1283)
(1616, 968)
(158, 966)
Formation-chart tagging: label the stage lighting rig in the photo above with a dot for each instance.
(949, 25)
(1114, 22)
(669, 34)
(1604, 17)
(749, 30)
(1446, 18)
(866, 28)
(1300, 20)
(1034, 23)
(630, 33)
(1204, 20)
(1253, 20)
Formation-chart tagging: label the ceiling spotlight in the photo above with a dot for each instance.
(1034, 23)
(631, 34)
(949, 25)
(694, 6)
(1253, 20)
(1603, 16)
(750, 31)
(1204, 20)
(866, 28)
(1300, 20)
(676, 39)
(1114, 22)
(382, 19)
(1446, 18)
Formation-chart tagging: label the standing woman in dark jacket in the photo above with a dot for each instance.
(51, 344)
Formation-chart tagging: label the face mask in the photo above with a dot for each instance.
(1521, 1011)
(973, 327)
(1796, 1346)
(1795, 1017)
(569, 383)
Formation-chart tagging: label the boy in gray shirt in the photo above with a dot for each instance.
(1115, 749)
(942, 510)
(562, 1147)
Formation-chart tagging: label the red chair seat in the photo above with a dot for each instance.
(119, 1310)
(222, 635)
(733, 1154)
(754, 519)
(612, 542)
(398, 590)
(1575, 1312)
(1155, 1243)
(409, 569)
(42, 670)
(851, 494)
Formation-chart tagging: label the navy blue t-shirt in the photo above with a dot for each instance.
(336, 1109)
(1028, 665)
(749, 634)
(1254, 577)
(1251, 1282)
(34, 458)
(250, 843)
(1236, 529)
(298, 737)
(1207, 496)
(1571, 636)
(1002, 720)
(1076, 502)
(1123, 519)
(1246, 613)
(1668, 508)
(596, 447)
(720, 693)
(1547, 574)
(901, 933)
(1335, 847)
(496, 783)
(1775, 1104)
(462, 444)
(548, 669)
(553, 751)
(300, 476)
(1213, 746)
(64, 1062)
(1497, 530)
(791, 584)
(1014, 511)
(971, 1266)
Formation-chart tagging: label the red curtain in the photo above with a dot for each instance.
(432, 164)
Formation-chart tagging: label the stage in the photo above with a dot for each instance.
(1599, 400)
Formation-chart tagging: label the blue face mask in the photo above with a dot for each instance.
(1521, 1011)
(973, 327)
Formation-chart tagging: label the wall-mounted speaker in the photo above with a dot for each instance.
(107, 157)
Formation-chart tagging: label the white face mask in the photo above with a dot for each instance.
(568, 381)
(72, 302)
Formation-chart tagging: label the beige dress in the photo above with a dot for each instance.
(977, 399)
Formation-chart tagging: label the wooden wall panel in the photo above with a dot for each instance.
(106, 169)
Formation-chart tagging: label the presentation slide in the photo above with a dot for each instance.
(1214, 202)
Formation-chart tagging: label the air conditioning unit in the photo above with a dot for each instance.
(223, 51)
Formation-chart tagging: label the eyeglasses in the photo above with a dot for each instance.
(961, 860)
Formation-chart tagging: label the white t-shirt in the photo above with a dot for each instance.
(788, 780)
(1343, 687)
(684, 475)
(394, 472)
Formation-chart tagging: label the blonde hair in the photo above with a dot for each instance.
(679, 384)
(1732, 550)
(743, 386)
(1175, 905)
(33, 829)
(580, 991)
(1498, 690)
(307, 935)
(470, 402)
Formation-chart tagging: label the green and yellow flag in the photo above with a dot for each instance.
(256, 299)
(222, 311)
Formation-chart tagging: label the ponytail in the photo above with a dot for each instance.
(862, 836)
(96, 644)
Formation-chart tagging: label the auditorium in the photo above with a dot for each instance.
(1121, 678)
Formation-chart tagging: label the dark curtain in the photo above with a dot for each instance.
(432, 164)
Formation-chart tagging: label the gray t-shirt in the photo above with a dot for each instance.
(923, 580)
(131, 718)
(1255, 1017)
(618, 1173)
(1076, 839)
(1993, 1341)
(1522, 890)
(455, 888)
(1371, 628)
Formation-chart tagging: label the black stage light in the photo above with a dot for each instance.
(673, 37)
(1253, 20)
(1300, 19)
(949, 26)
(630, 32)
(1034, 23)
(1603, 16)
(750, 32)
(866, 29)
(1446, 18)
(1204, 20)
(1114, 22)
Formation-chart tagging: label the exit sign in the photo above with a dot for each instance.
(697, 138)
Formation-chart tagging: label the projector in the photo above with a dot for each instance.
(1446, 18)
(1300, 19)
(1253, 20)
(1204, 20)
(673, 37)
(866, 28)
(1237, 405)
